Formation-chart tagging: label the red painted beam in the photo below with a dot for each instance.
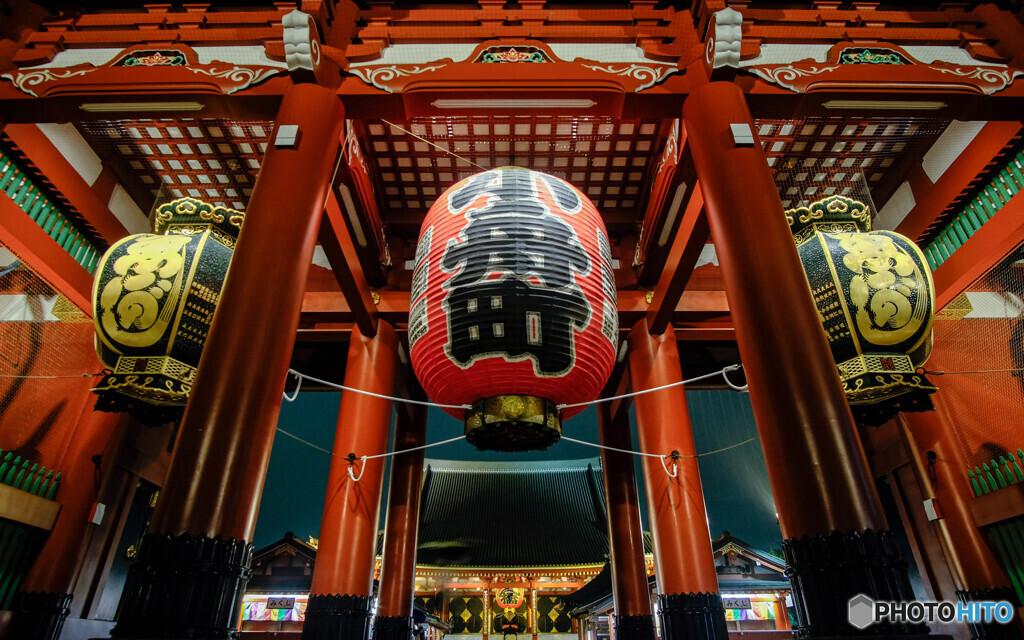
(344, 259)
(66, 180)
(42, 253)
(982, 251)
(689, 240)
(933, 198)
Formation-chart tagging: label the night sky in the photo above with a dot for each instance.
(735, 482)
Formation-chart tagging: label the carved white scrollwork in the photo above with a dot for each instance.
(783, 76)
(242, 77)
(23, 80)
(379, 76)
(999, 79)
(648, 75)
(727, 38)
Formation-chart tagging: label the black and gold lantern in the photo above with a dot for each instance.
(876, 302)
(153, 301)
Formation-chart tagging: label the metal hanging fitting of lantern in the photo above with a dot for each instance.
(513, 307)
(153, 300)
(876, 301)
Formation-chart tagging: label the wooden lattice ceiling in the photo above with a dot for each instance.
(412, 162)
(210, 159)
(812, 158)
(610, 160)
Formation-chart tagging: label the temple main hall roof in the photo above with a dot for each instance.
(512, 514)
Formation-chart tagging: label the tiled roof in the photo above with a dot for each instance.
(512, 514)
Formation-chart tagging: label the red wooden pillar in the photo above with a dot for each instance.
(633, 619)
(341, 593)
(834, 536)
(398, 566)
(684, 564)
(44, 598)
(191, 571)
(974, 567)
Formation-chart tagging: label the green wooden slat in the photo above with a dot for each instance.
(1015, 547)
(974, 483)
(972, 215)
(1000, 186)
(940, 244)
(1015, 171)
(62, 235)
(929, 253)
(981, 479)
(1000, 479)
(9, 179)
(951, 239)
(993, 194)
(13, 187)
(996, 533)
(984, 208)
(959, 230)
(988, 476)
(968, 224)
(50, 221)
(54, 486)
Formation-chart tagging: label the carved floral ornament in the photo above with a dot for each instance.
(856, 66)
(144, 66)
(509, 59)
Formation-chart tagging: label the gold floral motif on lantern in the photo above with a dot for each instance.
(138, 304)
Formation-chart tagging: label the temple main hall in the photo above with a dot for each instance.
(509, 319)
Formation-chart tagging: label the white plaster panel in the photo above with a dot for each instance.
(949, 146)
(320, 258)
(248, 55)
(708, 255)
(129, 213)
(896, 209)
(75, 149)
(20, 307)
(993, 304)
(421, 53)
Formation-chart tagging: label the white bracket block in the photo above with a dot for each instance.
(287, 136)
(742, 135)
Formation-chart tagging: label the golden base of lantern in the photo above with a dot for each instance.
(160, 380)
(513, 423)
(868, 379)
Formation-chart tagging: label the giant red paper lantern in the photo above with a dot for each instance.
(513, 305)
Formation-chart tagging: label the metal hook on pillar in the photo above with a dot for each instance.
(351, 457)
(675, 467)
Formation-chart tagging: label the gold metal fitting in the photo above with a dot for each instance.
(513, 423)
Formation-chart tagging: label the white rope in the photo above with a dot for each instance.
(448, 151)
(945, 373)
(298, 385)
(722, 372)
(83, 375)
(362, 470)
(675, 467)
(729, 382)
(378, 395)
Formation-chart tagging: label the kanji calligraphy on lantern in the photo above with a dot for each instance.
(513, 293)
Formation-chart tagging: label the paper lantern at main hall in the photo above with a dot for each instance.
(513, 307)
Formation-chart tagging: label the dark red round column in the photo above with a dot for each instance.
(684, 564)
(341, 594)
(633, 619)
(398, 566)
(44, 598)
(192, 567)
(834, 535)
